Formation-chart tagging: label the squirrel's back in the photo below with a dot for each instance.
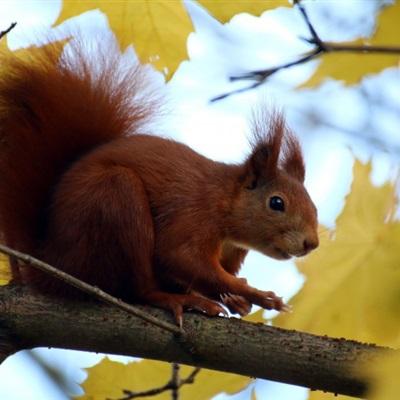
(53, 110)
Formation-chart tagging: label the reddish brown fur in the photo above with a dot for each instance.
(145, 218)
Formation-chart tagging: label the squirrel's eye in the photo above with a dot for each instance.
(276, 203)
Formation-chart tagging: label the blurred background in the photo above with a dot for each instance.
(335, 122)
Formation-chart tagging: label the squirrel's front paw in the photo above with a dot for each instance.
(236, 304)
(270, 301)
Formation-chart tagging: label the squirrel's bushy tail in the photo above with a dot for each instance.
(53, 110)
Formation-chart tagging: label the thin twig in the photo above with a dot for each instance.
(329, 47)
(261, 76)
(175, 381)
(11, 27)
(92, 290)
(245, 89)
(335, 47)
(316, 39)
(267, 72)
(171, 385)
(321, 47)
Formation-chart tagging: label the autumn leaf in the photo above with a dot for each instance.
(5, 270)
(3, 45)
(353, 280)
(224, 10)
(351, 67)
(383, 377)
(158, 29)
(328, 396)
(109, 378)
(256, 317)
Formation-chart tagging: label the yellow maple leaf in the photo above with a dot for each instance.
(383, 377)
(109, 378)
(256, 317)
(224, 10)
(353, 279)
(3, 45)
(5, 270)
(158, 29)
(350, 67)
(317, 395)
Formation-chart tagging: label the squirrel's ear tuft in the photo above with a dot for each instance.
(292, 159)
(274, 148)
(268, 129)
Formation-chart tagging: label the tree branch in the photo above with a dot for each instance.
(231, 345)
(321, 47)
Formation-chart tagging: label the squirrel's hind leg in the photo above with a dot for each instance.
(133, 224)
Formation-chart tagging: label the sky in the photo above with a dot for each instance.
(335, 124)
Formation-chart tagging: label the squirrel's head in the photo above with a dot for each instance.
(277, 215)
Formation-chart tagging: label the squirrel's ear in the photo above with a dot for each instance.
(262, 164)
(293, 162)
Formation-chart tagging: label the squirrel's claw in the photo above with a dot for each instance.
(178, 315)
(224, 312)
(286, 308)
(236, 304)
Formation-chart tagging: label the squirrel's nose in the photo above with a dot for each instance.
(310, 244)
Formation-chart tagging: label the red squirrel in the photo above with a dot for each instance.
(85, 188)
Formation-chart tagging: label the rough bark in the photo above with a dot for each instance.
(30, 320)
